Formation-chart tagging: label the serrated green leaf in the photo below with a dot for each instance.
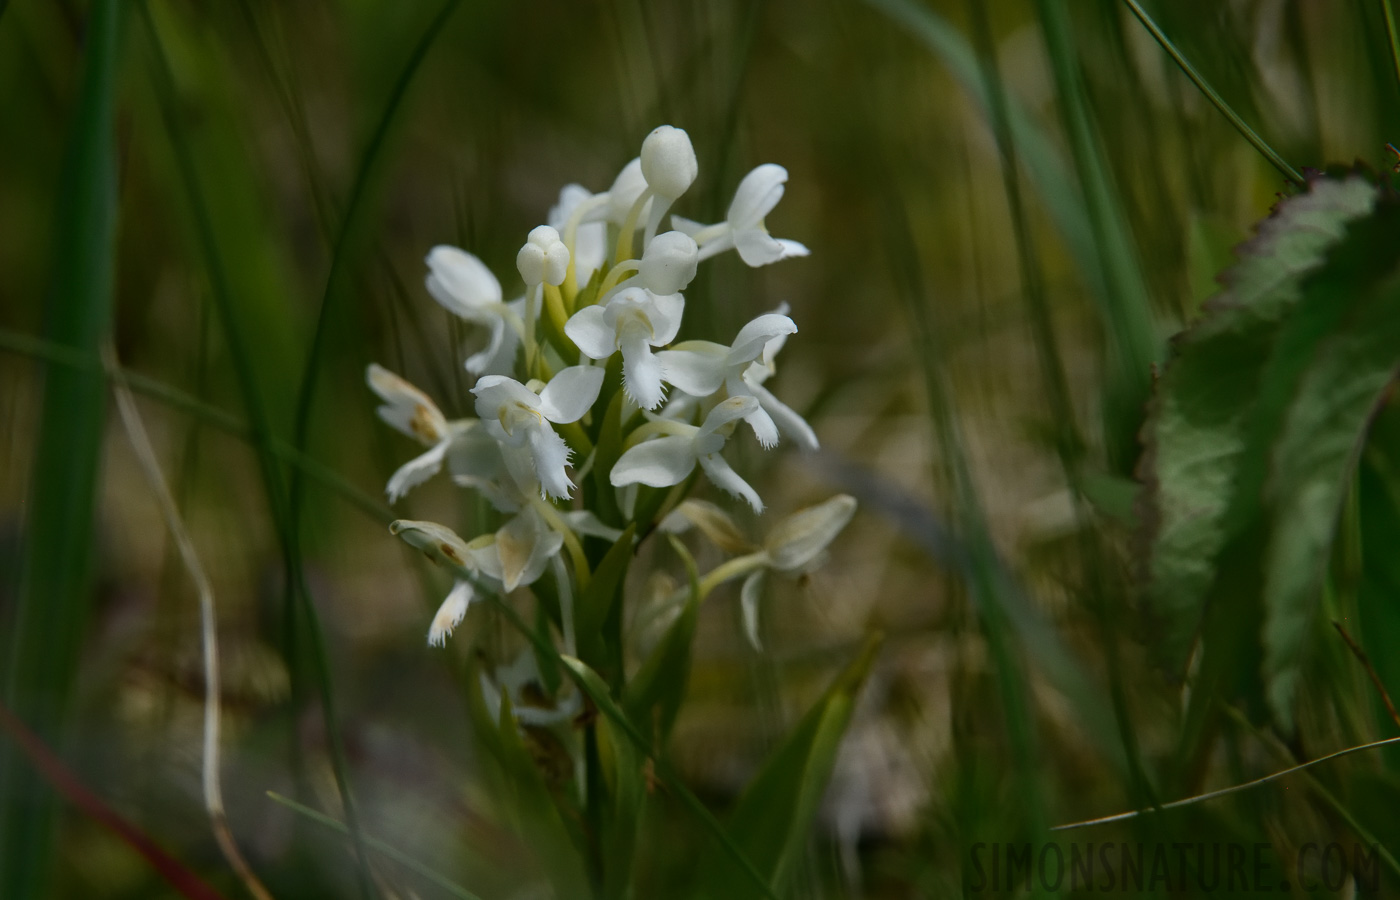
(1204, 412)
(1315, 453)
(775, 813)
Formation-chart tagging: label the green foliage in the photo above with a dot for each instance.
(775, 813)
(1258, 422)
(43, 650)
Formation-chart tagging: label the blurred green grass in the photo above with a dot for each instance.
(919, 359)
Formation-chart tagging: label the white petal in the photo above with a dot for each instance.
(593, 337)
(515, 543)
(668, 264)
(793, 248)
(763, 427)
(641, 372)
(625, 190)
(406, 409)
(788, 421)
(570, 196)
(490, 358)
(712, 521)
(450, 613)
(728, 480)
(416, 471)
(798, 538)
(665, 315)
(495, 391)
(551, 458)
(749, 595)
(590, 250)
(687, 226)
(585, 522)
(696, 367)
(726, 411)
(756, 196)
(754, 336)
(757, 247)
(570, 393)
(659, 463)
(461, 282)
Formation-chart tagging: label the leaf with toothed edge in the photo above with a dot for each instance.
(1201, 416)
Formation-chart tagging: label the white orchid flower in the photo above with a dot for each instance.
(743, 227)
(515, 679)
(703, 367)
(634, 320)
(468, 451)
(796, 544)
(669, 460)
(443, 546)
(518, 417)
(465, 287)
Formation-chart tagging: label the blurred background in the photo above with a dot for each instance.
(975, 350)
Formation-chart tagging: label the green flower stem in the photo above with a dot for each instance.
(629, 227)
(734, 568)
(555, 319)
(615, 275)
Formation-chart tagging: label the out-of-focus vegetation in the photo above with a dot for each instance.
(1012, 206)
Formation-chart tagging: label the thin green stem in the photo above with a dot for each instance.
(1216, 100)
(1391, 33)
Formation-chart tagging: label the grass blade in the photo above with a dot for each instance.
(175, 398)
(1216, 100)
(378, 846)
(54, 606)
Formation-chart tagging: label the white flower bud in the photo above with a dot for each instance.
(438, 542)
(669, 263)
(668, 161)
(544, 259)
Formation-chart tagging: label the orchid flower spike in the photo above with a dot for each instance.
(670, 168)
(518, 417)
(669, 460)
(465, 287)
(743, 228)
(703, 367)
(467, 449)
(633, 321)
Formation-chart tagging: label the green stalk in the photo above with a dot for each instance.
(1217, 101)
(55, 595)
